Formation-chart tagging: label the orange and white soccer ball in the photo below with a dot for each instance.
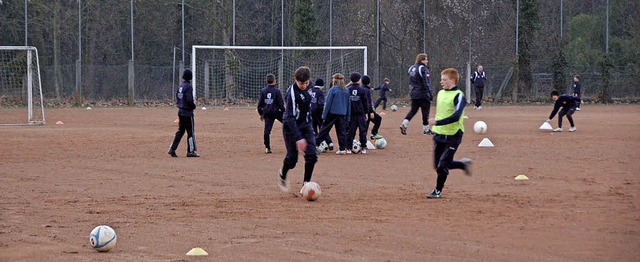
(311, 191)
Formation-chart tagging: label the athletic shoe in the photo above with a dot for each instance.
(427, 132)
(349, 152)
(376, 136)
(480, 108)
(577, 109)
(403, 130)
(330, 146)
(267, 150)
(573, 129)
(192, 154)
(283, 183)
(435, 194)
(303, 183)
(172, 153)
(363, 151)
(559, 129)
(341, 152)
(467, 163)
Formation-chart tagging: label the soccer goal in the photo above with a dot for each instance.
(20, 86)
(234, 75)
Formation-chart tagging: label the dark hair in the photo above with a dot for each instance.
(319, 82)
(187, 75)
(355, 77)
(365, 80)
(555, 93)
(271, 79)
(302, 74)
(577, 77)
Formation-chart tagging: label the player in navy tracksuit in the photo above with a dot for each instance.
(568, 104)
(317, 107)
(297, 130)
(186, 105)
(384, 88)
(477, 79)
(360, 108)
(577, 90)
(372, 116)
(421, 93)
(270, 108)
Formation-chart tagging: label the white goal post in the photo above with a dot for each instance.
(20, 85)
(234, 75)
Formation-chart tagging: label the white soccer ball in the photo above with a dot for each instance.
(480, 127)
(103, 238)
(381, 143)
(323, 147)
(394, 108)
(311, 191)
(356, 147)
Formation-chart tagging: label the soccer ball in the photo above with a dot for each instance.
(356, 147)
(381, 143)
(323, 147)
(394, 108)
(480, 127)
(103, 238)
(311, 191)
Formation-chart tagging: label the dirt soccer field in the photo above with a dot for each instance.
(110, 166)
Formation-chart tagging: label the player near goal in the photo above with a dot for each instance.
(297, 130)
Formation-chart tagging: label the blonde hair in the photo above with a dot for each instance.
(420, 57)
(338, 80)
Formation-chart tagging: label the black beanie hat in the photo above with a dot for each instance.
(187, 75)
(319, 82)
(366, 80)
(355, 77)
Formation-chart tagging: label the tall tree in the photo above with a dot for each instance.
(527, 26)
(306, 28)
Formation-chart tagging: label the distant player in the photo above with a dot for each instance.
(477, 79)
(360, 109)
(186, 105)
(317, 107)
(297, 129)
(448, 129)
(384, 88)
(372, 116)
(568, 104)
(577, 90)
(421, 93)
(270, 109)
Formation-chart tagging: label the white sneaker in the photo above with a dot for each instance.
(363, 151)
(283, 183)
(480, 108)
(573, 129)
(559, 129)
(341, 152)
(577, 109)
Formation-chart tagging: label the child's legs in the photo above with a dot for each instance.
(178, 136)
(326, 126)
(291, 158)
(268, 126)
(424, 107)
(561, 114)
(310, 154)
(377, 121)
(415, 105)
(351, 134)
(190, 128)
(384, 103)
(362, 128)
(570, 116)
(341, 132)
(444, 163)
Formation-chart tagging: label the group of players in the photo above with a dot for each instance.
(308, 115)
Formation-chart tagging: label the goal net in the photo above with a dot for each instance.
(20, 86)
(234, 75)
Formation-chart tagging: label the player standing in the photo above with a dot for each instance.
(360, 108)
(270, 109)
(373, 116)
(317, 107)
(186, 105)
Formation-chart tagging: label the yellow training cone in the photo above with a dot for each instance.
(196, 251)
(522, 177)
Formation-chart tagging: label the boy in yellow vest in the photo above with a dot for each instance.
(448, 129)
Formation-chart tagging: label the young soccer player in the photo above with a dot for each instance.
(373, 116)
(384, 88)
(270, 109)
(297, 129)
(568, 104)
(421, 93)
(360, 108)
(317, 107)
(186, 105)
(336, 112)
(448, 129)
(577, 90)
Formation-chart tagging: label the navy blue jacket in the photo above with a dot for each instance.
(317, 99)
(383, 90)
(297, 112)
(565, 101)
(184, 99)
(420, 82)
(478, 78)
(360, 105)
(270, 101)
(577, 88)
(368, 92)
